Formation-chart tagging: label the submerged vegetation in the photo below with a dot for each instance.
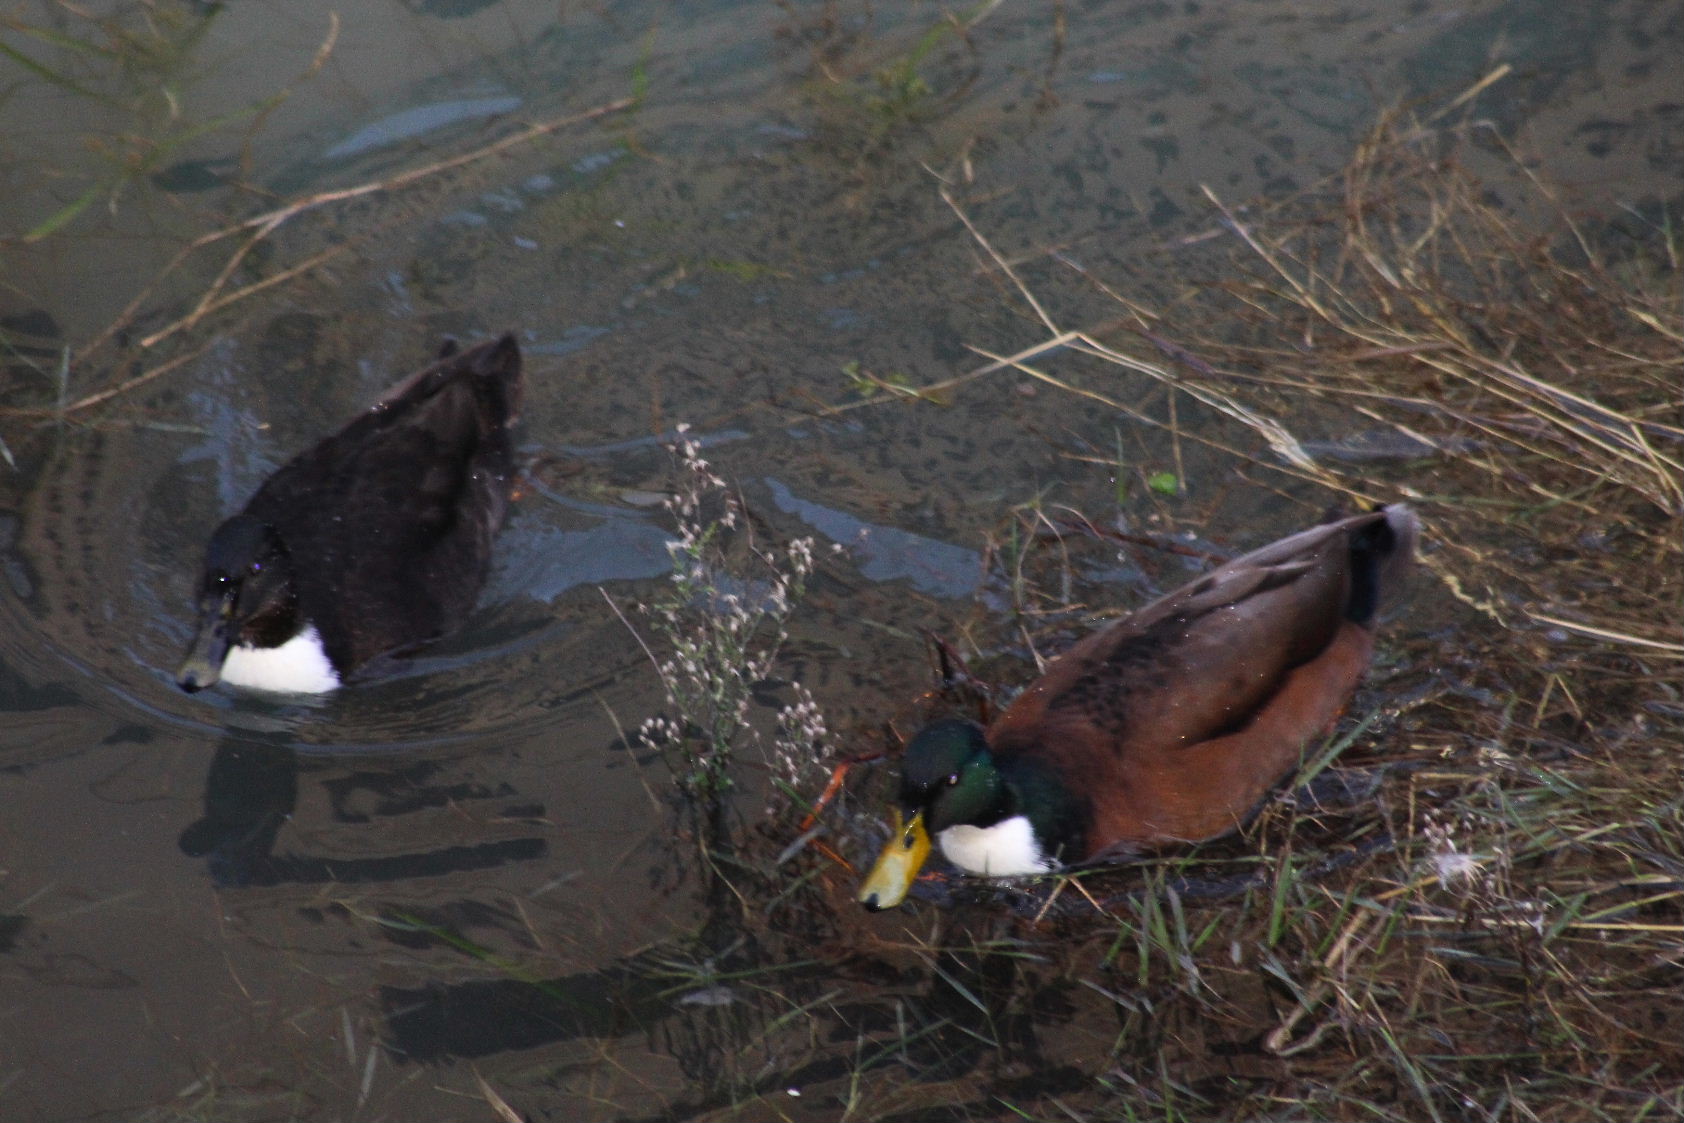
(866, 99)
(135, 63)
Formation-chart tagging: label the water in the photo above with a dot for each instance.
(224, 908)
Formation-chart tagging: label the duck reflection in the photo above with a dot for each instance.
(252, 791)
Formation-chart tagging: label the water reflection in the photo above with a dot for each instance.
(418, 121)
(486, 1017)
(748, 1017)
(614, 544)
(886, 553)
(251, 792)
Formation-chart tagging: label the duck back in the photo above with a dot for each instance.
(389, 522)
(1173, 722)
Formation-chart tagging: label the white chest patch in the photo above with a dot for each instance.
(298, 666)
(1007, 849)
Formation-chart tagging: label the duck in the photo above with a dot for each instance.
(1167, 726)
(376, 540)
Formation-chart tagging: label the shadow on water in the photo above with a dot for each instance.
(251, 791)
(722, 1001)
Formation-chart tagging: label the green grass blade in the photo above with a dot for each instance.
(65, 213)
(45, 72)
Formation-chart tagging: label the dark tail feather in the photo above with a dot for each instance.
(501, 361)
(1381, 553)
(498, 362)
(495, 371)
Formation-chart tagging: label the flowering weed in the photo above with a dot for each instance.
(717, 633)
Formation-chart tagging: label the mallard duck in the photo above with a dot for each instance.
(1166, 726)
(377, 539)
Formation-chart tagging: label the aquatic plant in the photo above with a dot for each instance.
(135, 64)
(719, 628)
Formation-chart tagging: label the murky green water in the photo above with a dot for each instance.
(221, 908)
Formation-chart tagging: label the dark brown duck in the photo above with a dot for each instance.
(377, 539)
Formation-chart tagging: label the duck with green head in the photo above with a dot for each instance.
(1166, 726)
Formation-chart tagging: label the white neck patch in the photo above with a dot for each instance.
(1007, 849)
(298, 666)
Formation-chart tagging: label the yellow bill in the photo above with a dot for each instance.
(887, 883)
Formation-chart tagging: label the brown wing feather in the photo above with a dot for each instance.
(1177, 718)
(1212, 786)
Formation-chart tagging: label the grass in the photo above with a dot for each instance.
(1487, 924)
(137, 61)
(1469, 905)
(867, 98)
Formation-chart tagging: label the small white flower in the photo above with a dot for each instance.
(1453, 865)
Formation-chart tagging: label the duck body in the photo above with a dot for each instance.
(375, 540)
(1166, 726)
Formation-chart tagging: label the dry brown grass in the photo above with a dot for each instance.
(1471, 907)
(1492, 928)
(1476, 911)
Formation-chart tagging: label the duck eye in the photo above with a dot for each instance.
(953, 780)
